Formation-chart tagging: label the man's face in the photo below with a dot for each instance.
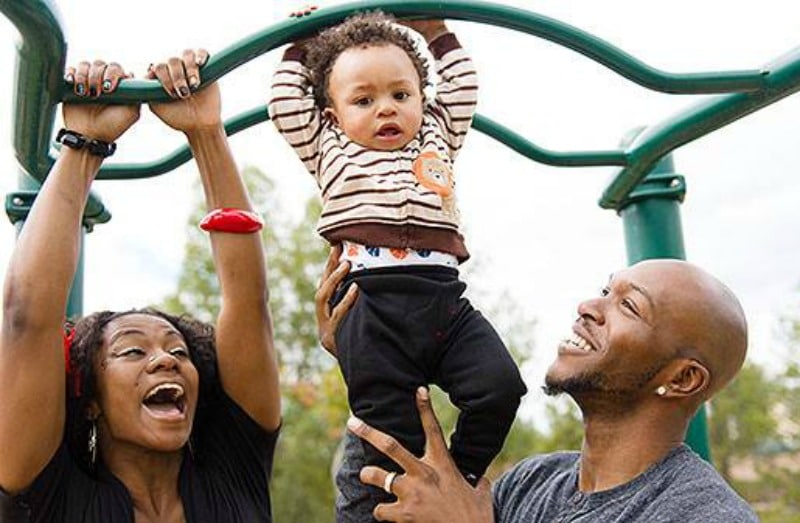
(376, 97)
(621, 338)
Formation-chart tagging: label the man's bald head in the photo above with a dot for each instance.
(704, 318)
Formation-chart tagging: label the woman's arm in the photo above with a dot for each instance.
(245, 349)
(32, 369)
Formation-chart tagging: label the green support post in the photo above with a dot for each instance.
(652, 221)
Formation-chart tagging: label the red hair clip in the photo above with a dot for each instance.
(69, 337)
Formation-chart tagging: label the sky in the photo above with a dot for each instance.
(535, 232)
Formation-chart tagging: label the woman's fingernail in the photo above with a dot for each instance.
(69, 78)
(106, 85)
(193, 82)
(80, 89)
(423, 393)
(92, 91)
(183, 91)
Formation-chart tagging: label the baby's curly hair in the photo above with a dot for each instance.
(361, 30)
(84, 352)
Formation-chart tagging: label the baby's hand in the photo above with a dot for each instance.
(429, 29)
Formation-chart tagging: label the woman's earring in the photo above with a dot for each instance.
(93, 443)
(662, 390)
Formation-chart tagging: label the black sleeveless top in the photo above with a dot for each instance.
(226, 482)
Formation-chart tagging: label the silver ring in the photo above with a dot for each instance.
(388, 481)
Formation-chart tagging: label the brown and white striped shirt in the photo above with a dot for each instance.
(375, 197)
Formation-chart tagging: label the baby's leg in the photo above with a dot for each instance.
(380, 361)
(483, 381)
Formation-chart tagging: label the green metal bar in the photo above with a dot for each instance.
(41, 51)
(599, 50)
(134, 91)
(483, 124)
(652, 222)
(699, 120)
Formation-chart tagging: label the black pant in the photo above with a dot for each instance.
(410, 327)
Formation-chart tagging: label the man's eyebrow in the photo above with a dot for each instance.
(643, 292)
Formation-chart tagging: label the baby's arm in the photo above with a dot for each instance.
(457, 89)
(292, 108)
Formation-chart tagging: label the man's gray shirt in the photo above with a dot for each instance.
(681, 488)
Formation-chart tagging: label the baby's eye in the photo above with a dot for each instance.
(402, 95)
(363, 102)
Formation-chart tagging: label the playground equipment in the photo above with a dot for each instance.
(645, 191)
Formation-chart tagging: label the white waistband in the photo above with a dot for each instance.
(368, 257)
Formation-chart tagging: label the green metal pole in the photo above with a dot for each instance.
(652, 222)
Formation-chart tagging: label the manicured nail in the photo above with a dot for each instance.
(106, 85)
(201, 60)
(69, 78)
(80, 89)
(193, 81)
(423, 393)
(183, 91)
(92, 91)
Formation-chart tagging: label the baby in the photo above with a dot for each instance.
(351, 103)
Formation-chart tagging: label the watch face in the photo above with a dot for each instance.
(70, 140)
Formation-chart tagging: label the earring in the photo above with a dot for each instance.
(662, 390)
(93, 443)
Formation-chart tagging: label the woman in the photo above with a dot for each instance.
(155, 418)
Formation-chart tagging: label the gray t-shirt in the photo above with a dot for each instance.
(681, 488)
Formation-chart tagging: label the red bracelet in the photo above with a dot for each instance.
(232, 220)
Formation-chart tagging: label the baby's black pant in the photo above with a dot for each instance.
(410, 327)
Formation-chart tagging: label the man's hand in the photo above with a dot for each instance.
(193, 110)
(432, 489)
(328, 320)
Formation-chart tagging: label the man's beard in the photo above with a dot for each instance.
(596, 381)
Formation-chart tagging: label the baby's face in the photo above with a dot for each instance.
(376, 97)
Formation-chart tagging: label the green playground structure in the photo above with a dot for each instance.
(645, 191)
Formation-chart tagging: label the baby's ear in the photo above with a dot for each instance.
(330, 114)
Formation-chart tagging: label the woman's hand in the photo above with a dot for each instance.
(328, 320)
(193, 110)
(104, 122)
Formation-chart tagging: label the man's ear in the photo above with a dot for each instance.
(330, 114)
(689, 377)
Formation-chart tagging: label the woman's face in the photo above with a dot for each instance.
(147, 386)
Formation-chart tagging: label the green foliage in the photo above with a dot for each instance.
(741, 417)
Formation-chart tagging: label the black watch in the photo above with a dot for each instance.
(75, 140)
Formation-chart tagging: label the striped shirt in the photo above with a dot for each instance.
(402, 198)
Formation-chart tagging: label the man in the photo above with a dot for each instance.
(663, 337)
